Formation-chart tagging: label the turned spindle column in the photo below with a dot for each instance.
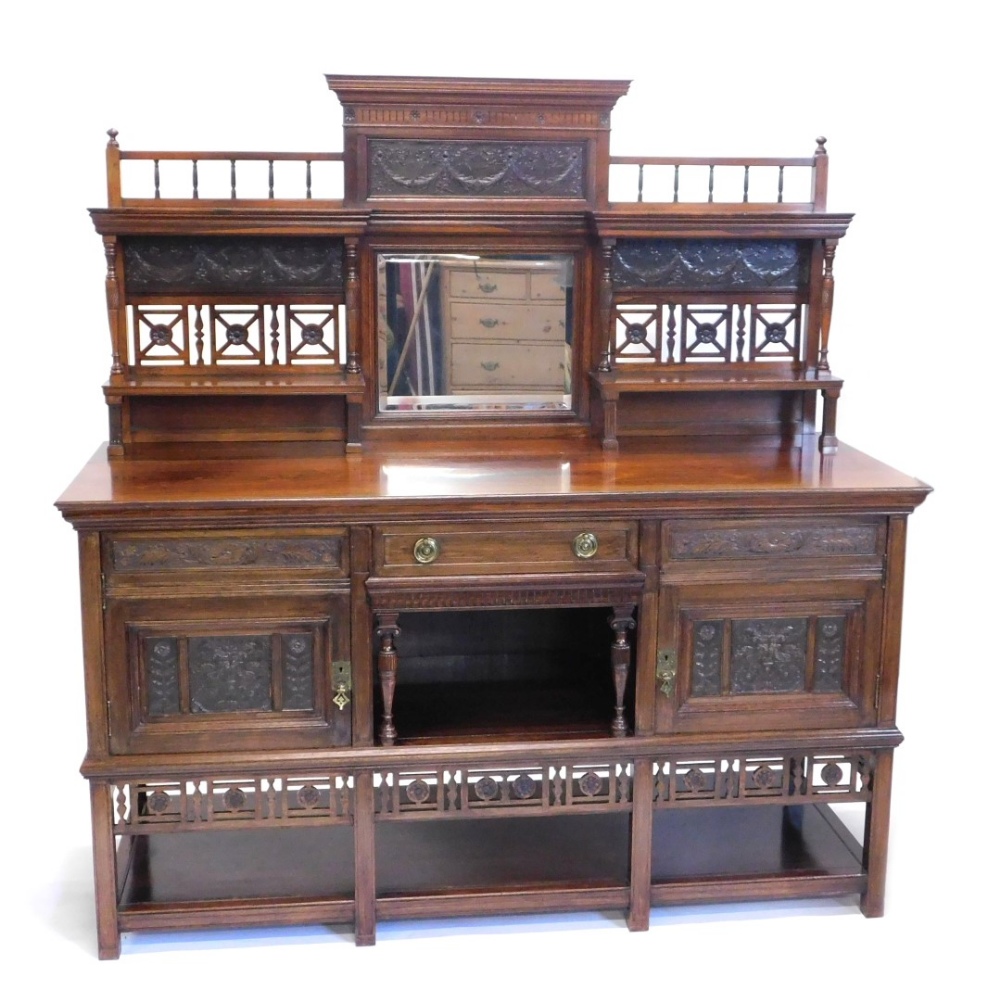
(621, 658)
(387, 630)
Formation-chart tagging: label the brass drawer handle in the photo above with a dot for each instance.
(426, 550)
(489, 366)
(489, 322)
(487, 287)
(585, 545)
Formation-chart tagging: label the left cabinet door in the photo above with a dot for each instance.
(228, 673)
(227, 640)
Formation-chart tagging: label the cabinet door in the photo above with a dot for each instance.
(228, 673)
(768, 656)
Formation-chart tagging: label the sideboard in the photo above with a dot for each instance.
(608, 620)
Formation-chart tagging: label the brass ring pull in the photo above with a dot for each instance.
(585, 545)
(426, 550)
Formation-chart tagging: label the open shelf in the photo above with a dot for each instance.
(516, 674)
(698, 378)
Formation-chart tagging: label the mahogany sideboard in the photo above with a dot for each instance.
(611, 622)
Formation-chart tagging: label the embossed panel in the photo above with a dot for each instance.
(163, 694)
(769, 655)
(706, 659)
(230, 674)
(778, 540)
(163, 553)
(829, 664)
(222, 265)
(716, 265)
(471, 169)
(297, 671)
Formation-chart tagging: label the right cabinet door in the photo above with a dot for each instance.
(791, 640)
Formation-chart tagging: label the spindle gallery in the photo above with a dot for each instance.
(475, 489)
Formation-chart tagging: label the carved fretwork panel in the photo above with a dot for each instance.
(670, 331)
(530, 788)
(238, 801)
(711, 265)
(220, 335)
(476, 169)
(165, 266)
(793, 777)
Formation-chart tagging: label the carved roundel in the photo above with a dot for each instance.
(590, 784)
(831, 774)
(635, 333)
(764, 777)
(312, 334)
(523, 787)
(706, 631)
(694, 780)
(160, 334)
(486, 788)
(705, 333)
(158, 801)
(308, 796)
(234, 799)
(237, 334)
(774, 333)
(297, 645)
(417, 791)
(829, 629)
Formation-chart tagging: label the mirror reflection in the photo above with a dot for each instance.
(468, 332)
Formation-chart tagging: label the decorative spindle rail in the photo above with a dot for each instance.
(115, 155)
(817, 164)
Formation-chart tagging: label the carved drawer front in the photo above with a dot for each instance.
(505, 548)
(228, 673)
(228, 555)
(697, 548)
(768, 657)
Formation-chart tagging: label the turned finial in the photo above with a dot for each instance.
(821, 146)
(112, 137)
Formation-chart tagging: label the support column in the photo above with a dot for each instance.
(641, 869)
(364, 859)
(876, 846)
(388, 664)
(621, 657)
(109, 943)
(828, 441)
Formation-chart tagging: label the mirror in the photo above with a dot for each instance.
(475, 332)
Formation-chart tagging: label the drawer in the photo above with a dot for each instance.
(531, 321)
(485, 365)
(547, 285)
(505, 548)
(216, 555)
(484, 283)
(699, 547)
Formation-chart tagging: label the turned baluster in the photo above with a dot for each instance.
(388, 664)
(114, 301)
(621, 658)
(607, 303)
(826, 311)
(352, 299)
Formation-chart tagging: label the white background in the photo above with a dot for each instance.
(900, 90)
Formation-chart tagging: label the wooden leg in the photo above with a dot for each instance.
(364, 860)
(641, 846)
(877, 837)
(828, 441)
(109, 942)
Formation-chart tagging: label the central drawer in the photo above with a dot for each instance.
(453, 548)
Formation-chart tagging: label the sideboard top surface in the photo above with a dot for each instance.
(396, 478)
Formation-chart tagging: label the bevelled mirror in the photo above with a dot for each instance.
(475, 332)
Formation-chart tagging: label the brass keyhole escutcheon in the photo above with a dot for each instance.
(666, 670)
(585, 545)
(426, 550)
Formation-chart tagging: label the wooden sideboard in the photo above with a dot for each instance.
(350, 660)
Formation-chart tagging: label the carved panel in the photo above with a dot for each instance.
(799, 776)
(165, 554)
(768, 655)
(829, 664)
(162, 676)
(240, 802)
(540, 788)
(773, 541)
(716, 265)
(297, 682)
(223, 265)
(230, 674)
(706, 659)
(470, 169)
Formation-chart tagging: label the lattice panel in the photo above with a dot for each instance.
(532, 789)
(222, 335)
(676, 333)
(800, 777)
(233, 802)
